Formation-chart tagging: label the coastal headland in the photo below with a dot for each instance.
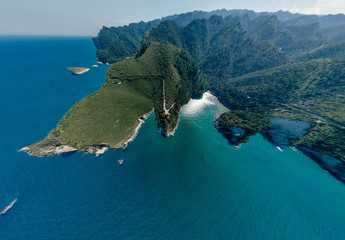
(163, 75)
(173, 63)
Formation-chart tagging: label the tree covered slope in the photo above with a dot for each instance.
(218, 45)
(296, 34)
(163, 78)
(311, 91)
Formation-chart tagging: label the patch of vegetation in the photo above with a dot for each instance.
(250, 122)
(107, 117)
(324, 137)
(297, 91)
(335, 33)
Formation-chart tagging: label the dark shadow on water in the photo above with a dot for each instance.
(334, 166)
(68, 154)
(284, 131)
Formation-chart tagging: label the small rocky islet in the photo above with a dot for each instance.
(78, 70)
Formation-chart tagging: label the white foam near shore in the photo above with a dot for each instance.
(195, 106)
(101, 151)
(174, 130)
(293, 148)
(136, 130)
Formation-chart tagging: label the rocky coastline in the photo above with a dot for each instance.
(52, 145)
(283, 132)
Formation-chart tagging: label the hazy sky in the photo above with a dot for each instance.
(86, 17)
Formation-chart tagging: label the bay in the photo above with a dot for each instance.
(190, 186)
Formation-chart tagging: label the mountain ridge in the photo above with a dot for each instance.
(116, 43)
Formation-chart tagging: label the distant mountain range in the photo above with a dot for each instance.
(295, 33)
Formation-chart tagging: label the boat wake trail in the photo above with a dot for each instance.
(8, 207)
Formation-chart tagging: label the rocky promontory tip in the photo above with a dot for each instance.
(49, 146)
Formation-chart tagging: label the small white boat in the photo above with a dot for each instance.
(120, 161)
(279, 149)
(8, 207)
(293, 148)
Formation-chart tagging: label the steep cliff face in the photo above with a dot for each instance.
(172, 74)
(162, 79)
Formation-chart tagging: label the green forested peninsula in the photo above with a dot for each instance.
(162, 79)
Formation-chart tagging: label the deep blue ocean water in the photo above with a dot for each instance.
(190, 186)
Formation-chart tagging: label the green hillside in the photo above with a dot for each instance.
(219, 46)
(326, 50)
(115, 44)
(164, 76)
(294, 40)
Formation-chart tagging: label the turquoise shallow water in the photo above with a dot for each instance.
(191, 186)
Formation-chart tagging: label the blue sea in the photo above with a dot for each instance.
(190, 186)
